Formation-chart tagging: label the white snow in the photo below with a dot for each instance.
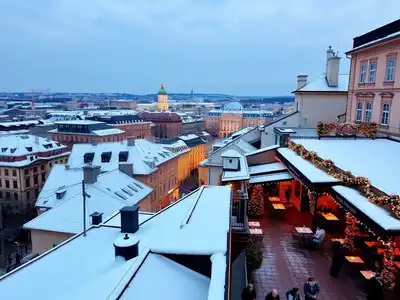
(116, 219)
(188, 137)
(110, 131)
(241, 174)
(245, 146)
(217, 285)
(266, 168)
(162, 278)
(86, 267)
(377, 214)
(127, 240)
(265, 149)
(313, 174)
(320, 84)
(377, 160)
(139, 153)
(231, 153)
(271, 177)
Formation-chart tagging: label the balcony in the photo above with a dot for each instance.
(239, 223)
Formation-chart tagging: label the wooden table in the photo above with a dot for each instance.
(304, 230)
(368, 274)
(274, 199)
(330, 217)
(254, 224)
(278, 206)
(256, 231)
(338, 240)
(354, 259)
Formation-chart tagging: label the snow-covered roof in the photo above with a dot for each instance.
(360, 158)
(112, 191)
(245, 146)
(25, 149)
(85, 267)
(230, 153)
(79, 122)
(144, 155)
(377, 214)
(271, 177)
(313, 174)
(188, 137)
(241, 174)
(273, 147)
(110, 131)
(116, 219)
(266, 168)
(320, 84)
(19, 123)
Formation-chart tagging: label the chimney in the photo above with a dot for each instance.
(127, 168)
(67, 167)
(97, 218)
(332, 71)
(301, 81)
(131, 142)
(126, 246)
(129, 219)
(90, 173)
(94, 142)
(329, 53)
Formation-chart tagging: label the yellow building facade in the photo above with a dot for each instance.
(162, 99)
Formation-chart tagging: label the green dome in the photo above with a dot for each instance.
(162, 91)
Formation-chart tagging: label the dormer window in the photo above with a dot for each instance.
(88, 158)
(29, 149)
(106, 157)
(123, 156)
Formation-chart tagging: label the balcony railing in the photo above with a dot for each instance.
(239, 209)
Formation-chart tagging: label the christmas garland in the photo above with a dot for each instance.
(387, 274)
(350, 231)
(391, 202)
(366, 129)
(311, 202)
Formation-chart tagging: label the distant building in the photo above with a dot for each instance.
(162, 99)
(375, 79)
(85, 131)
(122, 104)
(222, 122)
(167, 124)
(323, 99)
(25, 162)
(191, 124)
(150, 163)
(133, 125)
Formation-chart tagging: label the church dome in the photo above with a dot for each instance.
(233, 106)
(162, 91)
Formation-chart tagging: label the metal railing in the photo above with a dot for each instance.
(239, 209)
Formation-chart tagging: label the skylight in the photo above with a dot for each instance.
(127, 191)
(138, 185)
(88, 157)
(119, 194)
(106, 157)
(132, 187)
(123, 156)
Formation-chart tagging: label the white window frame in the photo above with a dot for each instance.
(359, 111)
(390, 69)
(363, 72)
(385, 114)
(372, 72)
(368, 112)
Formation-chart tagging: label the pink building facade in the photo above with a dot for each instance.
(374, 84)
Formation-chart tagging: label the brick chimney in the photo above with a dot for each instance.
(90, 173)
(301, 81)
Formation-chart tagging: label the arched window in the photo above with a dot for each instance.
(359, 112)
(385, 114)
(368, 112)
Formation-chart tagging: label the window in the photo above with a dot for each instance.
(15, 184)
(368, 112)
(363, 71)
(14, 173)
(15, 196)
(34, 170)
(43, 175)
(1, 195)
(35, 179)
(42, 167)
(7, 184)
(391, 64)
(28, 195)
(359, 112)
(372, 71)
(36, 192)
(6, 172)
(385, 114)
(27, 182)
(26, 171)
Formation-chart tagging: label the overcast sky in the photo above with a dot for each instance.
(239, 47)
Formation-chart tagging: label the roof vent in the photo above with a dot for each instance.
(97, 218)
(126, 246)
(60, 194)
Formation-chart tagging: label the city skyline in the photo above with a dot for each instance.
(214, 47)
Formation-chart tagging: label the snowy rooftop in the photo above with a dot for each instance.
(245, 146)
(112, 191)
(110, 131)
(86, 267)
(241, 174)
(230, 153)
(377, 214)
(188, 137)
(270, 177)
(144, 155)
(29, 146)
(266, 168)
(360, 158)
(313, 174)
(79, 122)
(19, 123)
(320, 84)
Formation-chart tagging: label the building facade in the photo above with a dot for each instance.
(133, 125)
(162, 99)
(25, 162)
(166, 124)
(122, 104)
(374, 89)
(222, 122)
(85, 131)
